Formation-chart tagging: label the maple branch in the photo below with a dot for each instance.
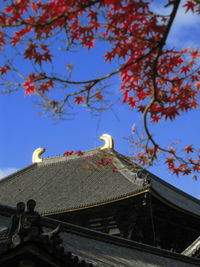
(154, 77)
(58, 108)
(160, 49)
(124, 66)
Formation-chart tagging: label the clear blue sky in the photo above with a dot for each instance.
(23, 130)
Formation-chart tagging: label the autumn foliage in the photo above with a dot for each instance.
(156, 80)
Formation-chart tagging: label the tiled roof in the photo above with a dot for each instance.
(63, 183)
(103, 250)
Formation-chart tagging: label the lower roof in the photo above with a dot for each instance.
(104, 250)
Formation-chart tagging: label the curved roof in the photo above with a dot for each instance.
(62, 184)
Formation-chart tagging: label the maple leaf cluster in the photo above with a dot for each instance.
(178, 165)
(187, 166)
(33, 84)
(158, 81)
(104, 162)
(72, 152)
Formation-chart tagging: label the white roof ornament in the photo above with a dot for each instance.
(36, 155)
(109, 142)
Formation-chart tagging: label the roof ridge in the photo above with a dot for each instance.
(61, 158)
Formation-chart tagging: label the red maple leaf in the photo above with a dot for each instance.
(197, 85)
(132, 102)
(43, 87)
(176, 171)
(108, 56)
(90, 44)
(196, 167)
(68, 153)
(185, 69)
(99, 96)
(126, 96)
(190, 5)
(80, 153)
(9, 9)
(194, 54)
(170, 112)
(79, 100)
(15, 40)
(188, 148)
(156, 118)
(4, 70)
(186, 171)
(29, 89)
(105, 162)
(170, 161)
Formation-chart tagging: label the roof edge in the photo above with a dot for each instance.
(192, 249)
(10, 176)
(179, 191)
(96, 204)
(171, 204)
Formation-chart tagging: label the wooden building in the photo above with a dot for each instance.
(107, 204)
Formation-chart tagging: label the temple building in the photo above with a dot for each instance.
(111, 212)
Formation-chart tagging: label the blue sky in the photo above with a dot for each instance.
(23, 129)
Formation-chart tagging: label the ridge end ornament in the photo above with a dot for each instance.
(109, 142)
(36, 156)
